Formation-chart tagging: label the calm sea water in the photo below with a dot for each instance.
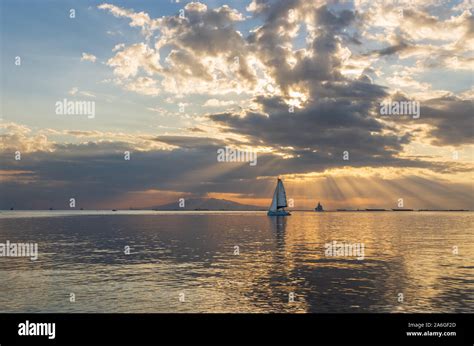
(192, 256)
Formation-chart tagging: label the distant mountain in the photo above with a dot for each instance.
(207, 204)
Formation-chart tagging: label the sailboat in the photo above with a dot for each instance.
(278, 201)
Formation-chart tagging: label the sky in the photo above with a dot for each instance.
(300, 84)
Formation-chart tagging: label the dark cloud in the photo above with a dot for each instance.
(96, 173)
(327, 126)
(195, 129)
(452, 119)
(396, 48)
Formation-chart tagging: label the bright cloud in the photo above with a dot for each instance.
(88, 57)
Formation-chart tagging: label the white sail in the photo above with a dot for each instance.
(273, 206)
(281, 201)
(278, 201)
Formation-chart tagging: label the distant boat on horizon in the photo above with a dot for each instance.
(278, 201)
(319, 208)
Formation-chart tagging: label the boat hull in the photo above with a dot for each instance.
(278, 213)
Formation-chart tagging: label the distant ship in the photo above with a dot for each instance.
(278, 201)
(319, 207)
